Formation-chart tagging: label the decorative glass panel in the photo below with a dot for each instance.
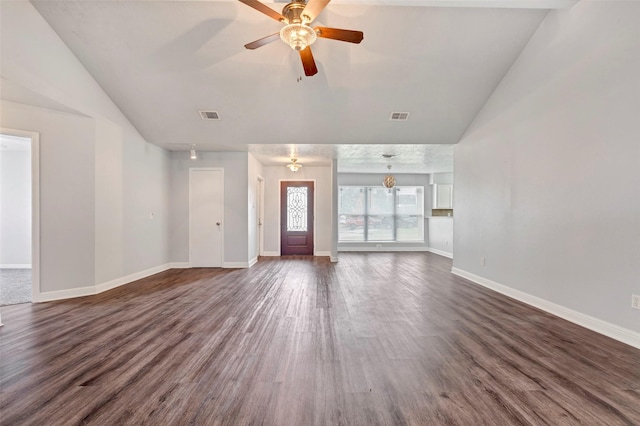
(297, 208)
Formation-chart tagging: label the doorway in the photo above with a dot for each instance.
(297, 217)
(259, 215)
(206, 209)
(19, 224)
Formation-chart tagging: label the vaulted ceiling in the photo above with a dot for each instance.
(163, 61)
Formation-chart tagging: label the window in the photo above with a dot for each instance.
(369, 213)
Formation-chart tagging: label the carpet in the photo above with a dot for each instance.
(15, 286)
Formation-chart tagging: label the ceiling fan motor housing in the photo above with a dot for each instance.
(293, 12)
(297, 33)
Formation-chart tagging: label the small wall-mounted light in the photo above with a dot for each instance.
(194, 154)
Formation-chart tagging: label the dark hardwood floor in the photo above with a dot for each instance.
(375, 339)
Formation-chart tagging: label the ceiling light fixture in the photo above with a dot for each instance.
(389, 181)
(298, 36)
(294, 166)
(194, 155)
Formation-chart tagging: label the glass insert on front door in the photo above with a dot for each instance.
(297, 208)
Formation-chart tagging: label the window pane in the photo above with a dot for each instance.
(351, 209)
(410, 213)
(380, 228)
(297, 208)
(379, 214)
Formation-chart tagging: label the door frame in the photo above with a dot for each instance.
(260, 213)
(280, 212)
(219, 169)
(35, 207)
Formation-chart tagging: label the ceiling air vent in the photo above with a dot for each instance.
(209, 115)
(399, 116)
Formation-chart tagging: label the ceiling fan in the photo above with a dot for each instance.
(297, 33)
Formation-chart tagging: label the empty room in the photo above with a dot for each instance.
(346, 212)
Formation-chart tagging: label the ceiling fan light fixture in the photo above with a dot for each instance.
(298, 36)
(294, 166)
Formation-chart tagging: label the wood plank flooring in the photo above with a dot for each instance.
(376, 339)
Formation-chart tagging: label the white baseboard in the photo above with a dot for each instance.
(49, 296)
(382, 249)
(333, 259)
(15, 266)
(253, 261)
(270, 254)
(179, 265)
(130, 278)
(322, 254)
(235, 265)
(441, 253)
(621, 334)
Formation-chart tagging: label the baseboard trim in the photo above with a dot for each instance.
(253, 261)
(179, 265)
(618, 333)
(15, 266)
(131, 278)
(235, 265)
(322, 254)
(333, 259)
(270, 254)
(441, 253)
(50, 296)
(382, 249)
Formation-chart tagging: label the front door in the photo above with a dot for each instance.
(296, 224)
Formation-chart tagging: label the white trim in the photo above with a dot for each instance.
(621, 334)
(322, 254)
(235, 265)
(333, 259)
(271, 254)
(382, 249)
(253, 261)
(130, 278)
(179, 265)
(16, 266)
(440, 252)
(48, 296)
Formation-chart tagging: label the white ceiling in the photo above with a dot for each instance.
(162, 61)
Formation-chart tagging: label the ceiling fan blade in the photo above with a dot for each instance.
(338, 34)
(308, 63)
(264, 9)
(313, 9)
(261, 42)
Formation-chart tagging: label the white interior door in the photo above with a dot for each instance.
(206, 207)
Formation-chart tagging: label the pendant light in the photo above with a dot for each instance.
(194, 155)
(389, 181)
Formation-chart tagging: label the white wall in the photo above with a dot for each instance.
(548, 175)
(99, 178)
(236, 211)
(323, 231)
(15, 208)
